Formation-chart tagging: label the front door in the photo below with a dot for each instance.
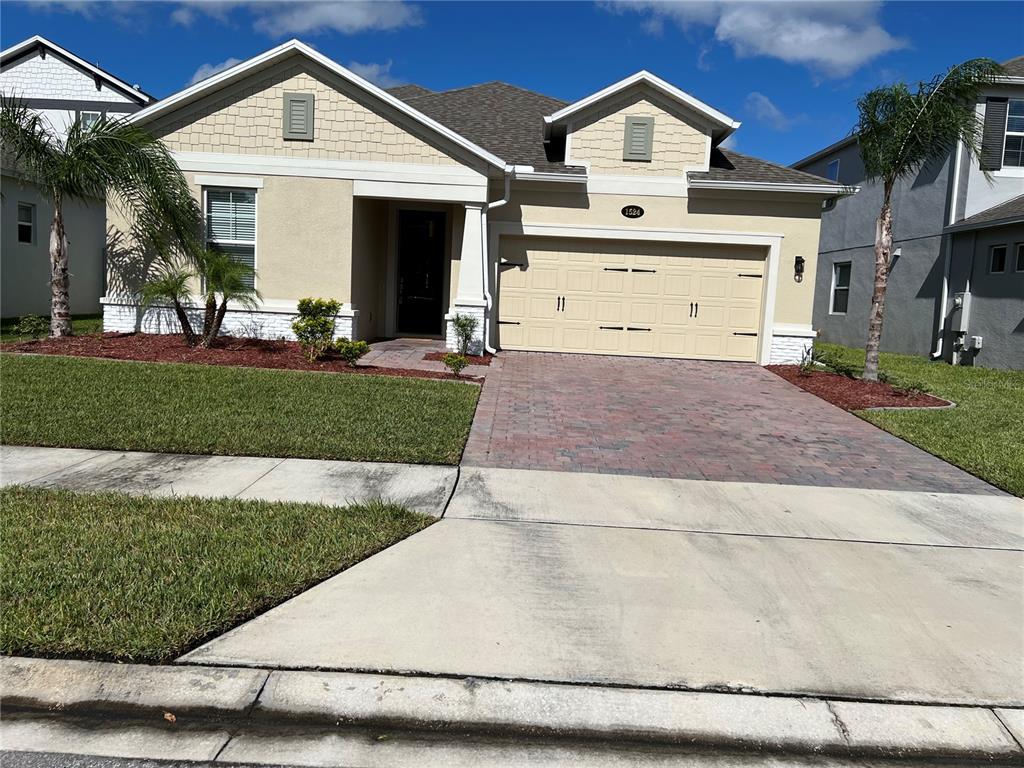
(421, 240)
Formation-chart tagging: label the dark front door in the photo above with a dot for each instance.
(421, 236)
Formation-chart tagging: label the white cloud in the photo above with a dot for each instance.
(764, 109)
(378, 74)
(730, 142)
(831, 38)
(206, 70)
(283, 18)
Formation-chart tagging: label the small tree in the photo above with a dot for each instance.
(455, 363)
(314, 327)
(111, 157)
(465, 328)
(898, 132)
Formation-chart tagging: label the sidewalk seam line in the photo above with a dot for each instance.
(1006, 728)
(739, 533)
(99, 454)
(250, 485)
(458, 476)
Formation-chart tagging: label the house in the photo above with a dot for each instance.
(616, 224)
(956, 289)
(61, 87)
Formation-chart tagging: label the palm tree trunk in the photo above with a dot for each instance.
(883, 254)
(209, 317)
(218, 320)
(60, 299)
(185, 323)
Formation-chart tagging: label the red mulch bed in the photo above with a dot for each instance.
(171, 348)
(484, 359)
(854, 394)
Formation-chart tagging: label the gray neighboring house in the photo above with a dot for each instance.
(61, 87)
(956, 290)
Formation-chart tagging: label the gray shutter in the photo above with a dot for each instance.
(993, 135)
(298, 116)
(639, 138)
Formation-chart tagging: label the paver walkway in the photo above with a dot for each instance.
(687, 419)
(408, 353)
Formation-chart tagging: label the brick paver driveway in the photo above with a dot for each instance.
(686, 419)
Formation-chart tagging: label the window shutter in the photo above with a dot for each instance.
(298, 116)
(639, 138)
(993, 134)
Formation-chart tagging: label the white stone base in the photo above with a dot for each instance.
(452, 341)
(273, 320)
(789, 343)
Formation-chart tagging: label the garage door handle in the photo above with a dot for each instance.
(652, 271)
(741, 333)
(694, 308)
(746, 274)
(611, 328)
(509, 322)
(616, 269)
(630, 328)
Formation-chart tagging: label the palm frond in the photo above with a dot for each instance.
(28, 142)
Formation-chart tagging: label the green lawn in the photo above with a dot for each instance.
(87, 403)
(984, 434)
(110, 576)
(80, 324)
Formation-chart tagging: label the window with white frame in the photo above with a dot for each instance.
(89, 119)
(1013, 149)
(26, 223)
(840, 287)
(1019, 265)
(231, 224)
(832, 170)
(997, 259)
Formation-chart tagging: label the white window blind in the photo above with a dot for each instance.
(231, 224)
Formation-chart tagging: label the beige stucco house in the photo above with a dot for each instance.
(616, 224)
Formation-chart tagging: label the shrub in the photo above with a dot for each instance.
(32, 325)
(455, 363)
(350, 351)
(464, 327)
(835, 364)
(314, 327)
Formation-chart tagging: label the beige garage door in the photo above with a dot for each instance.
(626, 298)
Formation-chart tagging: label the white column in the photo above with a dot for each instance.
(469, 297)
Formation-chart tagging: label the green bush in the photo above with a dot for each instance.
(455, 363)
(464, 327)
(836, 364)
(32, 325)
(350, 351)
(314, 327)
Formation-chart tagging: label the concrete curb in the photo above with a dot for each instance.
(255, 699)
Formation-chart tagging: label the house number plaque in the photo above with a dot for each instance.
(632, 211)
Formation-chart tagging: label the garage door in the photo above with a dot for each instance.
(622, 298)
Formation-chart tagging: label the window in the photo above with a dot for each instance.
(997, 261)
(89, 119)
(298, 116)
(1019, 266)
(26, 223)
(840, 287)
(231, 224)
(832, 173)
(639, 139)
(1013, 150)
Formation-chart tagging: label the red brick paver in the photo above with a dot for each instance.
(686, 419)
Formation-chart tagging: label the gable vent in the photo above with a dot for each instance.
(639, 138)
(298, 116)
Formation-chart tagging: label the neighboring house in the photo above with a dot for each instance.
(61, 87)
(615, 224)
(956, 290)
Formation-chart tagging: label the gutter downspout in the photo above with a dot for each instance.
(509, 173)
(941, 322)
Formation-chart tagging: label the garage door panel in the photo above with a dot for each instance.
(682, 300)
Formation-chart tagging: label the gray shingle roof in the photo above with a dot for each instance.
(1014, 67)
(727, 165)
(1010, 212)
(501, 118)
(409, 91)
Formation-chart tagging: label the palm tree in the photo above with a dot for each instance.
(110, 158)
(898, 132)
(221, 278)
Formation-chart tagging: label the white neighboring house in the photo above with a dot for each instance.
(61, 87)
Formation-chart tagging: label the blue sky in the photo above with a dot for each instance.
(791, 72)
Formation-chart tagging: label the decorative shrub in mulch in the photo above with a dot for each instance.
(854, 394)
(171, 348)
(484, 359)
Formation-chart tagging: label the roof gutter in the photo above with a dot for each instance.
(829, 190)
(510, 172)
(527, 173)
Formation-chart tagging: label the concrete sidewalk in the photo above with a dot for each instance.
(328, 718)
(419, 487)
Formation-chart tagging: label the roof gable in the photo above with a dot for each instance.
(12, 56)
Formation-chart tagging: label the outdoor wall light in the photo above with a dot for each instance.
(798, 269)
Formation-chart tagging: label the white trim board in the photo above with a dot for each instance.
(764, 186)
(246, 182)
(297, 47)
(771, 241)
